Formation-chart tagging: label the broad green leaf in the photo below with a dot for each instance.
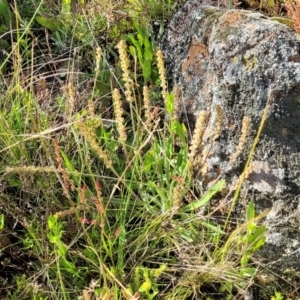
(148, 50)
(170, 103)
(52, 222)
(132, 51)
(138, 48)
(140, 38)
(147, 70)
(245, 259)
(250, 211)
(181, 162)
(54, 239)
(148, 54)
(247, 272)
(259, 237)
(48, 23)
(180, 130)
(206, 198)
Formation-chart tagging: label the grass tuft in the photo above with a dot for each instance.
(99, 198)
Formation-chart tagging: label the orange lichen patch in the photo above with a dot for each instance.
(197, 51)
(230, 19)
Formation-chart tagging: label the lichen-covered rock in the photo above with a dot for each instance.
(230, 63)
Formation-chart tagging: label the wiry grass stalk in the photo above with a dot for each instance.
(247, 165)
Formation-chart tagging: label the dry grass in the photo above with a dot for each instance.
(293, 9)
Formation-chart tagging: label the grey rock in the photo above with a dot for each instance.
(229, 63)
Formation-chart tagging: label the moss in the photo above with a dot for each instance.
(284, 21)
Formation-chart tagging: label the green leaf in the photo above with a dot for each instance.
(227, 287)
(62, 248)
(259, 237)
(245, 259)
(217, 229)
(250, 211)
(247, 272)
(147, 70)
(169, 149)
(160, 270)
(1, 222)
(69, 267)
(206, 198)
(140, 38)
(5, 13)
(278, 296)
(53, 239)
(170, 103)
(180, 130)
(186, 235)
(67, 162)
(132, 51)
(148, 161)
(148, 50)
(138, 48)
(271, 3)
(181, 162)
(49, 23)
(145, 287)
(52, 222)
